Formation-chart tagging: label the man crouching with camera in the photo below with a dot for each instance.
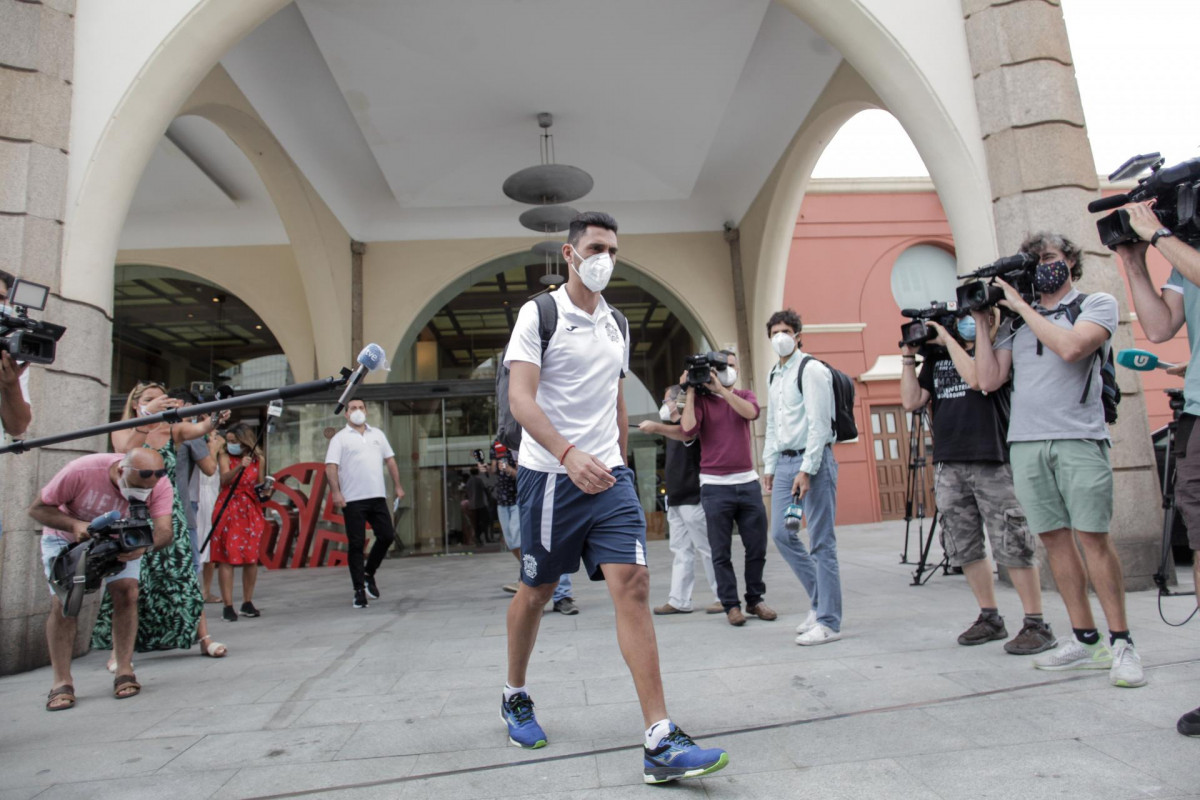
(973, 482)
(83, 490)
(1058, 447)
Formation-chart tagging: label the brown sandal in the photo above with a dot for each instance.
(67, 691)
(126, 686)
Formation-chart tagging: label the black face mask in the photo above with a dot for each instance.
(1049, 278)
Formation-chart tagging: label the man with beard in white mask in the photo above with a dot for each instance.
(721, 416)
(354, 468)
(802, 472)
(83, 490)
(1058, 447)
(576, 496)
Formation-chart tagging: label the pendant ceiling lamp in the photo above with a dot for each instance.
(547, 183)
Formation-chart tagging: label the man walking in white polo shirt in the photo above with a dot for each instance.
(353, 467)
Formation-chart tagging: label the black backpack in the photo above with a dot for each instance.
(843, 424)
(508, 430)
(1110, 392)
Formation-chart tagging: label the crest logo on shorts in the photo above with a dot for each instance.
(614, 335)
(530, 566)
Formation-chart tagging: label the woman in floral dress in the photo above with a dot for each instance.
(238, 531)
(170, 606)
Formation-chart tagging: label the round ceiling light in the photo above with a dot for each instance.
(548, 248)
(546, 184)
(548, 219)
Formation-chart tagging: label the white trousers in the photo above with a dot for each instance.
(689, 537)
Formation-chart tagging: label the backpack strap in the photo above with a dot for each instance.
(547, 318)
(1073, 310)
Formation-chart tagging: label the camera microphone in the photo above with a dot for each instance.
(103, 521)
(1141, 360)
(370, 359)
(1108, 203)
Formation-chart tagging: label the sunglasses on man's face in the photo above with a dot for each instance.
(146, 474)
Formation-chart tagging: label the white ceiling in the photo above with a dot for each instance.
(408, 116)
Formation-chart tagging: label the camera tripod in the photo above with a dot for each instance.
(1168, 495)
(914, 499)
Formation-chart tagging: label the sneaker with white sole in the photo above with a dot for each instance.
(818, 634)
(1070, 653)
(809, 623)
(1126, 670)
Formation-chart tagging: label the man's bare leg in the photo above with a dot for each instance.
(1069, 575)
(124, 625)
(1028, 584)
(629, 585)
(979, 578)
(1104, 566)
(524, 618)
(60, 638)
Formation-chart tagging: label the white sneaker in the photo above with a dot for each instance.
(818, 634)
(1126, 666)
(809, 623)
(1070, 653)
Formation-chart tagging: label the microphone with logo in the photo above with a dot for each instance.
(1142, 360)
(370, 359)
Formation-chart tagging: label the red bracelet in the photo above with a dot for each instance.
(564, 455)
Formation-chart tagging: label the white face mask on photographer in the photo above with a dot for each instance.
(783, 344)
(133, 492)
(595, 271)
(728, 377)
(358, 417)
(664, 412)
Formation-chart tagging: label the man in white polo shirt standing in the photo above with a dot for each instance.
(354, 468)
(576, 497)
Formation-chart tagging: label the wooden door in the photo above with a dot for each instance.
(891, 437)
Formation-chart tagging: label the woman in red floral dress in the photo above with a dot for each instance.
(236, 534)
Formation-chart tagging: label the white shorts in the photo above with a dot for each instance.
(53, 545)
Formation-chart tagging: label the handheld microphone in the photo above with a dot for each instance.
(1141, 360)
(103, 521)
(370, 359)
(1108, 203)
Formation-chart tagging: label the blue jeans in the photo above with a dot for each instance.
(818, 569)
(563, 589)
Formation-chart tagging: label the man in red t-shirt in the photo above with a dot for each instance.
(729, 490)
(83, 490)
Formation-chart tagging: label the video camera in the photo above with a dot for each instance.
(1175, 190)
(979, 295)
(917, 333)
(81, 569)
(28, 340)
(699, 366)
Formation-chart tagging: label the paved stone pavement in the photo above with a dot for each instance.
(400, 699)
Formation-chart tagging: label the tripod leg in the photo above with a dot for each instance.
(1168, 502)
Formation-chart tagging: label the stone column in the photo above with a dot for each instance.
(36, 68)
(1042, 177)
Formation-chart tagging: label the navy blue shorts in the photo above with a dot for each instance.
(560, 524)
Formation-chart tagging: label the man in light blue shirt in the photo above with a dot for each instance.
(800, 468)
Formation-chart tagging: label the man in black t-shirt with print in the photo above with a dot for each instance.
(973, 484)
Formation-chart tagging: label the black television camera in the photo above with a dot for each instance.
(699, 366)
(1175, 190)
(81, 569)
(979, 295)
(917, 333)
(28, 340)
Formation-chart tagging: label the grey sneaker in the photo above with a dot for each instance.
(1070, 653)
(566, 606)
(1126, 668)
(985, 629)
(1034, 638)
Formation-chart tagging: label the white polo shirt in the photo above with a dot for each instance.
(580, 374)
(359, 458)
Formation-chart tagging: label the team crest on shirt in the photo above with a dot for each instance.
(530, 565)
(614, 335)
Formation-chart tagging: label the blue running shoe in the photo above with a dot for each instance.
(677, 756)
(523, 729)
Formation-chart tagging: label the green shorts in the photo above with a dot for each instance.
(1063, 483)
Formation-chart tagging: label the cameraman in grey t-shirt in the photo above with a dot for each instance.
(1058, 447)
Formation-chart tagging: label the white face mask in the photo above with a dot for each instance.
(783, 344)
(133, 493)
(143, 410)
(595, 271)
(358, 417)
(728, 377)
(664, 412)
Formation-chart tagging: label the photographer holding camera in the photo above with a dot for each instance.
(15, 412)
(83, 490)
(1161, 317)
(1058, 446)
(729, 490)
(973, 482)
